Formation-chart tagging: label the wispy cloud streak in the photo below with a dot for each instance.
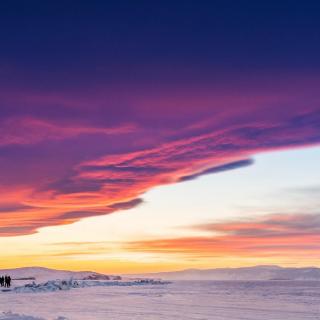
(277, 235)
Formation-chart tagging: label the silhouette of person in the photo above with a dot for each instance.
(6, 281)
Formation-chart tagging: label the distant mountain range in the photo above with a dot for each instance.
(43, 274)
(238, 274)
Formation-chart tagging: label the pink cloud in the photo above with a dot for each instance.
(275, 235)
(23, 131)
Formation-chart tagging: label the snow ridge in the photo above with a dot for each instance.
(56, 285)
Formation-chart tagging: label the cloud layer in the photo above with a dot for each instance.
(94, 147)
(273, 236)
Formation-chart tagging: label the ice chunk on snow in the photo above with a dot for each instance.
(14, 316)
(56, 285)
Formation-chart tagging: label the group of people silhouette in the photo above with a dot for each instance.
(5, 281)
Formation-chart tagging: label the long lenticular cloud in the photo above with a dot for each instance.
(58, 171)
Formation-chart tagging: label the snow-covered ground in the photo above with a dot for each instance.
(185, 300)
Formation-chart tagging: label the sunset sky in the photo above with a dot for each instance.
(159, 135)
